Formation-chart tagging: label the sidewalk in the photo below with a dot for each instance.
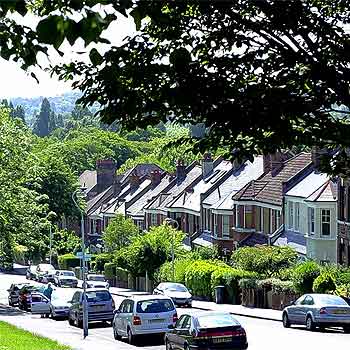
(239, 310)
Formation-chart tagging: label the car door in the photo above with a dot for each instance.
(174, 336)
(118, 321)
(40, 304)
(128, 314)
(75, 304)
(184, 332)
(307, 305)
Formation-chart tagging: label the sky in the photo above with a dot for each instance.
(17, 83)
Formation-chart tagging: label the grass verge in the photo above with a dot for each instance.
(13, 338)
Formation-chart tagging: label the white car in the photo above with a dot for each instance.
(96, 281)
(176, 291)
(65, 278)
(45, 273)
(143, 314)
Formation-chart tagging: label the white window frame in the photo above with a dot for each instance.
(290, 215)
(311, 220)
(153, 219)
(278, 219)
(215, 226)
(297, 217)
(225, 234)
(328, 221)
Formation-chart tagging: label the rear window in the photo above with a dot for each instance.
(213, 321)
(68, 273)
(98, 296)
(154, 305)
(331, 300)
(96, 278)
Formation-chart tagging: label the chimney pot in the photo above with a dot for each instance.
(180, 170)
(207, 165)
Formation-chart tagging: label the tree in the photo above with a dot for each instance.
(119, 233)
(19, 113)
(42, 123)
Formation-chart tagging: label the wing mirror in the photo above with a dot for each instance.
(117, 311)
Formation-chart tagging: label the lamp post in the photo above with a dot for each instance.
(50, 243)
(85, 309)
(169, 221)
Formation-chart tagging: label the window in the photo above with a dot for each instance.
(225, 226)
(154, 306)
(248, 216)
(153, 219)
(215, 225)
(297, 217)
(326, 222)
(311, 215)
(278, 219)
(240, 216)
(291, 215)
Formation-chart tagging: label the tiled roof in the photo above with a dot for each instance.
(141, 170)
(93, 203)
(221, 198)
(192, 199)
(326, 193)
(270, 187)
(193, 174)
(294, 240)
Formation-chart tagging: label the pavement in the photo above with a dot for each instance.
(238, 310)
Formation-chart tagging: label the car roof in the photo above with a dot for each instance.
(96, 289)
(147, 297)
(211, 313)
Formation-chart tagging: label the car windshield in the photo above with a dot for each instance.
(67, 273)
(217, 320)
(97, 278)
(331, 300)
(154, 306)
(176, 287)
(102, 295)
(46, 267)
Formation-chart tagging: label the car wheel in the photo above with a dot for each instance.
(285, 320)
(168, 345)
(346, 329)
(115, 333)
(131, 337)
(310, 325)
(70, 321)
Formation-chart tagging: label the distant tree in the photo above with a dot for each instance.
(4, 103)
(19, 113)
(41, 125)
(79, 112)
(52, 122)
(59, 121)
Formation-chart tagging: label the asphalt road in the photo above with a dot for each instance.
(262, 334)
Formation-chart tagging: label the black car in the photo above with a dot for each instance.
(14, 293)
(207, 330)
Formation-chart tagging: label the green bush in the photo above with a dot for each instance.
(304, 276)
(343, 278)
(180, 267)
(285, 287)
(198, 276)
(248, 283)
(68, 261)
(324, 283)
(264, 260)
(110, 270)
(100, 261)
(229, 277)
(121, 274)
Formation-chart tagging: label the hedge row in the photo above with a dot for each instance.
(68, 261)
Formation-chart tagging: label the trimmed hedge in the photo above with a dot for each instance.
(180, 266)
(229, 277)
(198, 276)
(304, 276)
(68, 261)
(110, 270)
(100, 261)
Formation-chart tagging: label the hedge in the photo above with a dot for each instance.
(304, 276)
(324, 283)
(121, 274)
(229, 277)
(110, 270)
(100, 261)
(165, 273)
(68, 261)
(198, 276)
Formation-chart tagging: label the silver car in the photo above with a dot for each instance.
(146, 314)
(180, 295)
(318, 310)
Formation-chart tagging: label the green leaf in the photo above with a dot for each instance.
(95, 58)
(48, 32)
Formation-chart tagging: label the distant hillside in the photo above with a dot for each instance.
(60, 104)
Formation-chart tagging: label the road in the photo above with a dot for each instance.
(262, 334)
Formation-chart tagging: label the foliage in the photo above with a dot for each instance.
(119, 233)
(304, 276)
(324, 283)
(45, 121)
(198, 276)
(65, 241)
(229, 277)
(343, 278)
(286, 287)
(67, 261)
(265, 260)
(121, 274)
(205, 253)
(144, 134)
(100, 261)
(110, 270)
(148, 252)
(248, 283)
(343, 290)
(165, 273)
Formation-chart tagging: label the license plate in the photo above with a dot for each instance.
(98, 308)
(222, 340)
(156, 320)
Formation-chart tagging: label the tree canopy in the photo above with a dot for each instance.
(258, 74)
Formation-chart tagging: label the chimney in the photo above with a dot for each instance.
(155, 177)
(134, 180)
(316, 155)
(207, 165)
(180, 170)
(117, 186)
(105, 169)
(276, 162)
(266, 163)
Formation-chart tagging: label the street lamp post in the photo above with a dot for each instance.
(50, 243)
(172, 221)
(85, 309)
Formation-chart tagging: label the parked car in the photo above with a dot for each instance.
(31, 272)
(14, 293)
(65, 278)
(45, 273)
(207, 330)
(96, 281)
(40, 304)
(146, 314)
(25, 296)
(100, 306)
(176, 291)
(318, 310)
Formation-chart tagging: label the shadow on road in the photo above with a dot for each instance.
(6, 310)
(321, 330)
(147, 340)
